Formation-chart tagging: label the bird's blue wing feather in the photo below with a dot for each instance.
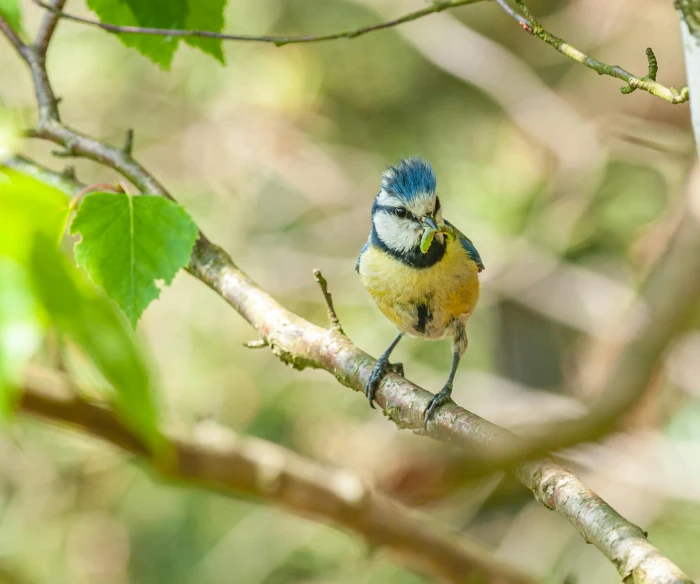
(468, 247)
(357, 263)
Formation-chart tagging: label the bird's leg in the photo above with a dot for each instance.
(443, 396)
(381, 369)
(459, 345)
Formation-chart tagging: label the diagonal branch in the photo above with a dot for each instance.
(278, 40)
(217, 459)
(646, 83)
(303, 344)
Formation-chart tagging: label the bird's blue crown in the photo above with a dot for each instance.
(409, 178)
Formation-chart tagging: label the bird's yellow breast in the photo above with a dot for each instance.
(444, 292)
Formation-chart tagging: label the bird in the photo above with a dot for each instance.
(422, 272)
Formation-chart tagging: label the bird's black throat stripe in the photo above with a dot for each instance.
(414, 257)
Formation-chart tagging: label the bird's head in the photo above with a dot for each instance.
(406, 205)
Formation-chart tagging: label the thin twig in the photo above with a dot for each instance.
(48, 26)
(278, 40)
(218, 459)
(332, 316)
(129, 142)
(14, 39)
(647, 83)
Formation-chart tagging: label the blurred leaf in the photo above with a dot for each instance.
(31, 223)
(206, 15)
(28, 207)
(173, 14)
(9, 10)
(95, 324)
(20, 330)
(130, 242)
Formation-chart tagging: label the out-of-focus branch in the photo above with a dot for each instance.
(303, 344)
(647, 83)
(278, 40)
(689, 13)
(215, 458)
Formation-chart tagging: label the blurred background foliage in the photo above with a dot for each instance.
(569, 189)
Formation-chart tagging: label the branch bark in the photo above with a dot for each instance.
(219, 460)
(303, 344)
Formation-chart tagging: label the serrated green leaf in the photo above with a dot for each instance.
(79, 310)
(151, 13)
(128, 243)
(20, 331)
(10, 11)
(206, 15)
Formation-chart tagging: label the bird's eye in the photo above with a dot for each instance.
(400, 212)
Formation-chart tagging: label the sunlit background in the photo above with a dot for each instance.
(569, 189)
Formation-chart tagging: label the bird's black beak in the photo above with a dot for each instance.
(430, 222)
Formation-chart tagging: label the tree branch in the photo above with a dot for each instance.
(646, 83)
(48, 26)
(217, 459)
(689, 13)
(303, 344)
(14, 39)
(277, 40)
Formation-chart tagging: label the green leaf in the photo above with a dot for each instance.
(20, 331)
(76, 308)
(9, 10)
(206, 15)
(173, 14)
(28, 207)
(145, 13)
(128, 243)
(38, 284)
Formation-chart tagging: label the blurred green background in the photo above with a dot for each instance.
(569, 190)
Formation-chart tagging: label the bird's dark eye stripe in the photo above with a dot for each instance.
(392, 210)
(437, 204)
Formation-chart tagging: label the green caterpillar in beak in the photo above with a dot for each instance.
(429, 234)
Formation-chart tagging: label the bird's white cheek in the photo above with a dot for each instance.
(397, 234)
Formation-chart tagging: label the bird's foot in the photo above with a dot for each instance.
(380, 370)
(439, 399)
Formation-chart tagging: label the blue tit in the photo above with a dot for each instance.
(428, 293)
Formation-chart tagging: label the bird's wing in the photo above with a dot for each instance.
(357, 263)
(468, 247)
